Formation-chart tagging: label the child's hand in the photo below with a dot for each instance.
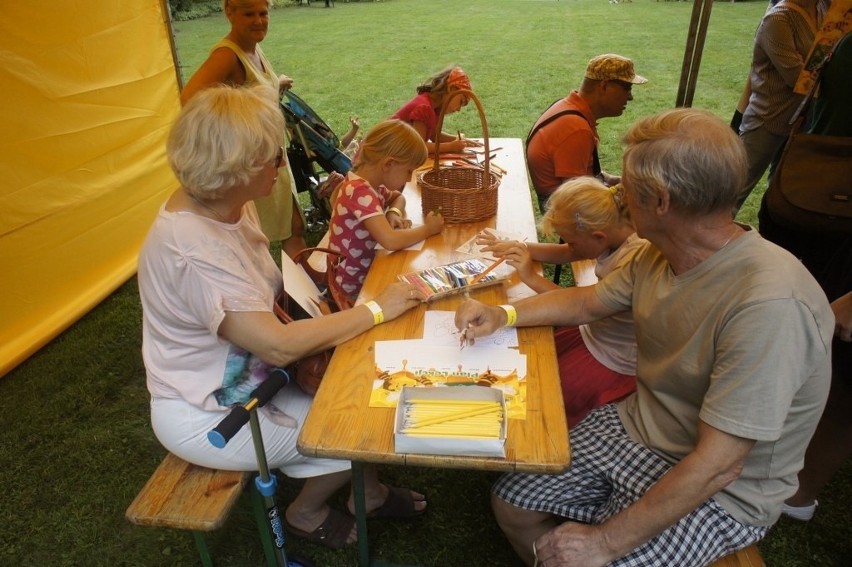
(434, 222)
(518, 256)
(486, 238)
(498, 248)
(396, 221)
(332, 181)
(458, 145)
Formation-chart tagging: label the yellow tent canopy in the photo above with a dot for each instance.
(89, 92)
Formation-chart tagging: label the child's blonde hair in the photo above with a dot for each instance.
(584, 204)
(394, 139)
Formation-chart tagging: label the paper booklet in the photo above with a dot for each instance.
(300, 287)
(415, 363)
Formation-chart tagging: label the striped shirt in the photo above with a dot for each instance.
(781, 45)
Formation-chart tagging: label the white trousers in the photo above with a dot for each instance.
(182, 429)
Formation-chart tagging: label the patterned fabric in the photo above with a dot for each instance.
(782, 42)
(356, 202)
(192, 270)
(419, 109)
(608, 473)
(458, 79)
(611, 67)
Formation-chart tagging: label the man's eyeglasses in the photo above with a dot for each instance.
(279, 157)
(624, 85)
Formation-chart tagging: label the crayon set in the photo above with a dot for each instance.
(451, 278)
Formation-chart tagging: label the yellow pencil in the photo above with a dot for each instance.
(453, 417)
(414, 403)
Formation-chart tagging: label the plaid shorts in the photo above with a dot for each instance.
(608, 473)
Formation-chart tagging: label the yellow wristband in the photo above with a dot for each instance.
(511, 315)
(376, 310)
(395, 210)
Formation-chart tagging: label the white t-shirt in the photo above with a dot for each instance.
(191, 270)
(742, 342)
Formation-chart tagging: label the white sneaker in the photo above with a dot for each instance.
(801, 513)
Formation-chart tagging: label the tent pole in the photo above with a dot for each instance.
(167, 19)
(693, 51)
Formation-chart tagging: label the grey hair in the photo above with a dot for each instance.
(689, 153)
(223, 136)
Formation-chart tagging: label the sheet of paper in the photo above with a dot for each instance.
(299, 286)
(474, 249)
(439, 329)
(417, 364)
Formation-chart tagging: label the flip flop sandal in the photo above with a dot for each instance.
(332, 533)
(398, 505)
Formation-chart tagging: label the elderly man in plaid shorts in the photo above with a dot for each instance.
(734, 340)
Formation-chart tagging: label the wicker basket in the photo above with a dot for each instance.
(461, 193)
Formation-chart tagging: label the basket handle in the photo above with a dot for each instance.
(439, 129)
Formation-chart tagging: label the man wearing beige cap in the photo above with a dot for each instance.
(563, 143)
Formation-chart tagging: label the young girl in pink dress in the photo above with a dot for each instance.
(369, 208)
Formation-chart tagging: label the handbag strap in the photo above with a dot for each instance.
(337, 297)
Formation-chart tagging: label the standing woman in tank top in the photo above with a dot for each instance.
(237, 59)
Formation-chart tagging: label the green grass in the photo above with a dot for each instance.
(75, 441)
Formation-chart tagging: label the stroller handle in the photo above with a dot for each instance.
(239, 416)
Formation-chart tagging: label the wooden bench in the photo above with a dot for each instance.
(748, 557)
(188, 497)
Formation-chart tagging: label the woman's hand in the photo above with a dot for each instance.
(397, 298)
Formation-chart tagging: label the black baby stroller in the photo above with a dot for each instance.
(313, 154)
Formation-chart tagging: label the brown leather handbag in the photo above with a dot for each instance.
(811, 188)
(308, 371)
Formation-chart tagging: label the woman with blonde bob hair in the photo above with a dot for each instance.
(208, 285)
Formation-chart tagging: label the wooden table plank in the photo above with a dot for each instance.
(341, 425)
